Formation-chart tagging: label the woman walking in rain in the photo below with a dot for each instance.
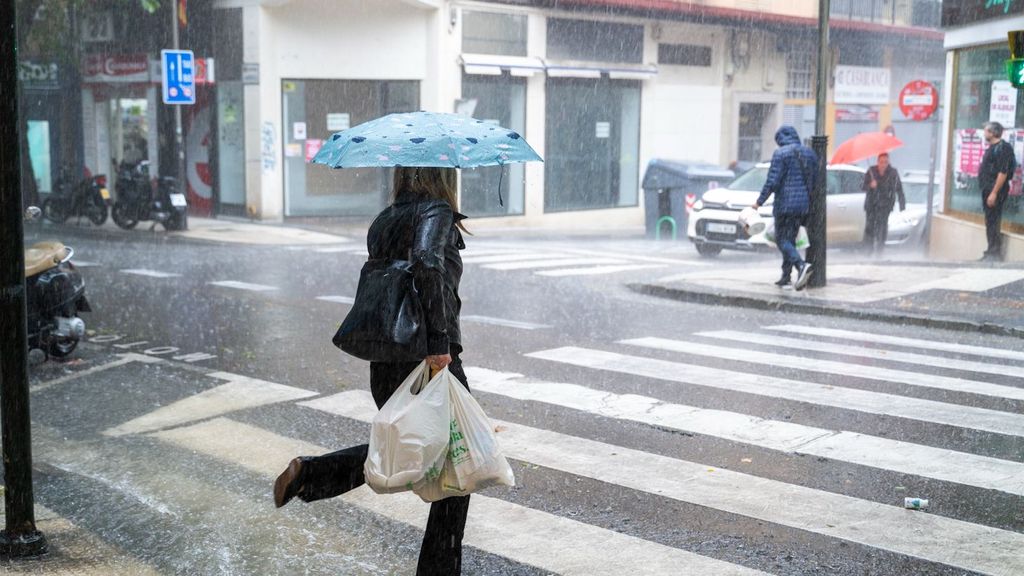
(420, 224)
(882, 186)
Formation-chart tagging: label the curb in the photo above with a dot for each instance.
(699, 296)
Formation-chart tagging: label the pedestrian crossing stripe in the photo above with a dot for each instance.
(866, 401)
(546, 541)
(552, 263)
(243, 285)
(832, 367)
(511, 257)
(931, 345)
(871, 451)
(864, 522)
(777, 341)
(150, 273)
(597, 270)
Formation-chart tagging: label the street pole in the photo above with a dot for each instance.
(817, 220)
(178, 138)
(931, 181)
(20, 537)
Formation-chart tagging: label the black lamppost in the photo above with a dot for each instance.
(20, 537)
(817, 221)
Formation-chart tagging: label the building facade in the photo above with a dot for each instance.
(978, 90)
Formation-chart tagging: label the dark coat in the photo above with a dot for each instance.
(423, 231)
(883, 198)
(791, 176)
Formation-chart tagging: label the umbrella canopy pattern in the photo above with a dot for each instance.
(864, 145)
(425, 139)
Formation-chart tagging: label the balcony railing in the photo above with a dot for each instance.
(919, 13)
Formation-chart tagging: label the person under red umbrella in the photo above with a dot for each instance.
(882, 187)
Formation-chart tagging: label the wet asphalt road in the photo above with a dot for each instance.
(184, 509)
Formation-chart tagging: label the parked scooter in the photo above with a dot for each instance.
(89, 198)
(137, 200)
(55, 294)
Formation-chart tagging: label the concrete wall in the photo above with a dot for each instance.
(955, 239)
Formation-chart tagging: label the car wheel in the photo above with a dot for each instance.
(708, 250)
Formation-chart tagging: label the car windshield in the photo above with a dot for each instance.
(916, 192)
(752, 180)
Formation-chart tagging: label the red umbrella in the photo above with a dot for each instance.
(865, 145)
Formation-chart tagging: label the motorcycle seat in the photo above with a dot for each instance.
(43, 256)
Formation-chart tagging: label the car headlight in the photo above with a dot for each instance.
(698, 205)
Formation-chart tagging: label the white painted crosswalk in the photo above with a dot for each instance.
(515, 529)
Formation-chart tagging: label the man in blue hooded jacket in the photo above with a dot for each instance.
(791, 179)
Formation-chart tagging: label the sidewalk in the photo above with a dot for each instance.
(962, 296)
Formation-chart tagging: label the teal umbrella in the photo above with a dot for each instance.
(425, 139)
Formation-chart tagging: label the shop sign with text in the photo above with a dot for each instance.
(861, 85)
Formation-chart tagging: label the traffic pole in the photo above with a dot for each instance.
(20, 537)
(817, 219)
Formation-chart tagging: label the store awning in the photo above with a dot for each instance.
(493, 65)
(563, 69)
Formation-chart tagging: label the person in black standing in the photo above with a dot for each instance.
(421, 223)
(994, 175)
(882, 187)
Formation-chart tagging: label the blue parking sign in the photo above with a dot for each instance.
(179, 80)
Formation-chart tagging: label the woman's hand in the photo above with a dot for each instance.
(437, 362)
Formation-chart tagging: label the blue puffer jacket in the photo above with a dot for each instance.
(791, 185)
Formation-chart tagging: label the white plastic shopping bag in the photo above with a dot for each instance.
(474, 460)
(409, 436)
(802, 240)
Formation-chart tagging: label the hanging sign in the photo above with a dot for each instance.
(919, 100)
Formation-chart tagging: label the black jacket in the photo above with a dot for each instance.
(422, 230)
(890, 188)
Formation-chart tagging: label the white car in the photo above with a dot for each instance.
(714, 223)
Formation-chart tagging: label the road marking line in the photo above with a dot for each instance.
(243, 285)
(85, 264)
(515, 257)
(932, 345)
(150, 273)
(337, 299)
(503, 322)
(553, 263)
(124, 359)
(865, 401)
(597, 270)
(832, 367)
(971, 280)
(876, 354)
(835, 515)
(241, 392)
(905, 457)
(546, 541)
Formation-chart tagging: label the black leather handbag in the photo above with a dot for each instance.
(385, 323)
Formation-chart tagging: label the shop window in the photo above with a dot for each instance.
(501, 100)
(593, 144)
(684, 55)
(977, 70)
(595, 41)
(315, 109)
(800, 72)
(494, 33)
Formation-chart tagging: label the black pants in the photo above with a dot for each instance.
(338, 472)
(993, 218)
(876, 229)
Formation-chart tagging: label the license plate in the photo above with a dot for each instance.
(178, 200)
(721, 228)
(105, 193)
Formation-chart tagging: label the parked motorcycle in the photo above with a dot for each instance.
(137, 199)
(55, 294)
(89, 198)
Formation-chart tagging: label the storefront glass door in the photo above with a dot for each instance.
(593, 144)
(499, 99)
(315, 109)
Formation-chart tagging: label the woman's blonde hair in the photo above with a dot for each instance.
(430, 182)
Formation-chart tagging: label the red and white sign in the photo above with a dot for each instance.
(1003, 104)
(115, 68)
(919, 100)
(313, 146)
(691, 199)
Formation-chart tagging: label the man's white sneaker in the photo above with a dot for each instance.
(804, 276)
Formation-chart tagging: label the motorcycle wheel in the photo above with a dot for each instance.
(122, 217)
(53, 210)
(97, 212)
(62, 347)
(174, 222)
